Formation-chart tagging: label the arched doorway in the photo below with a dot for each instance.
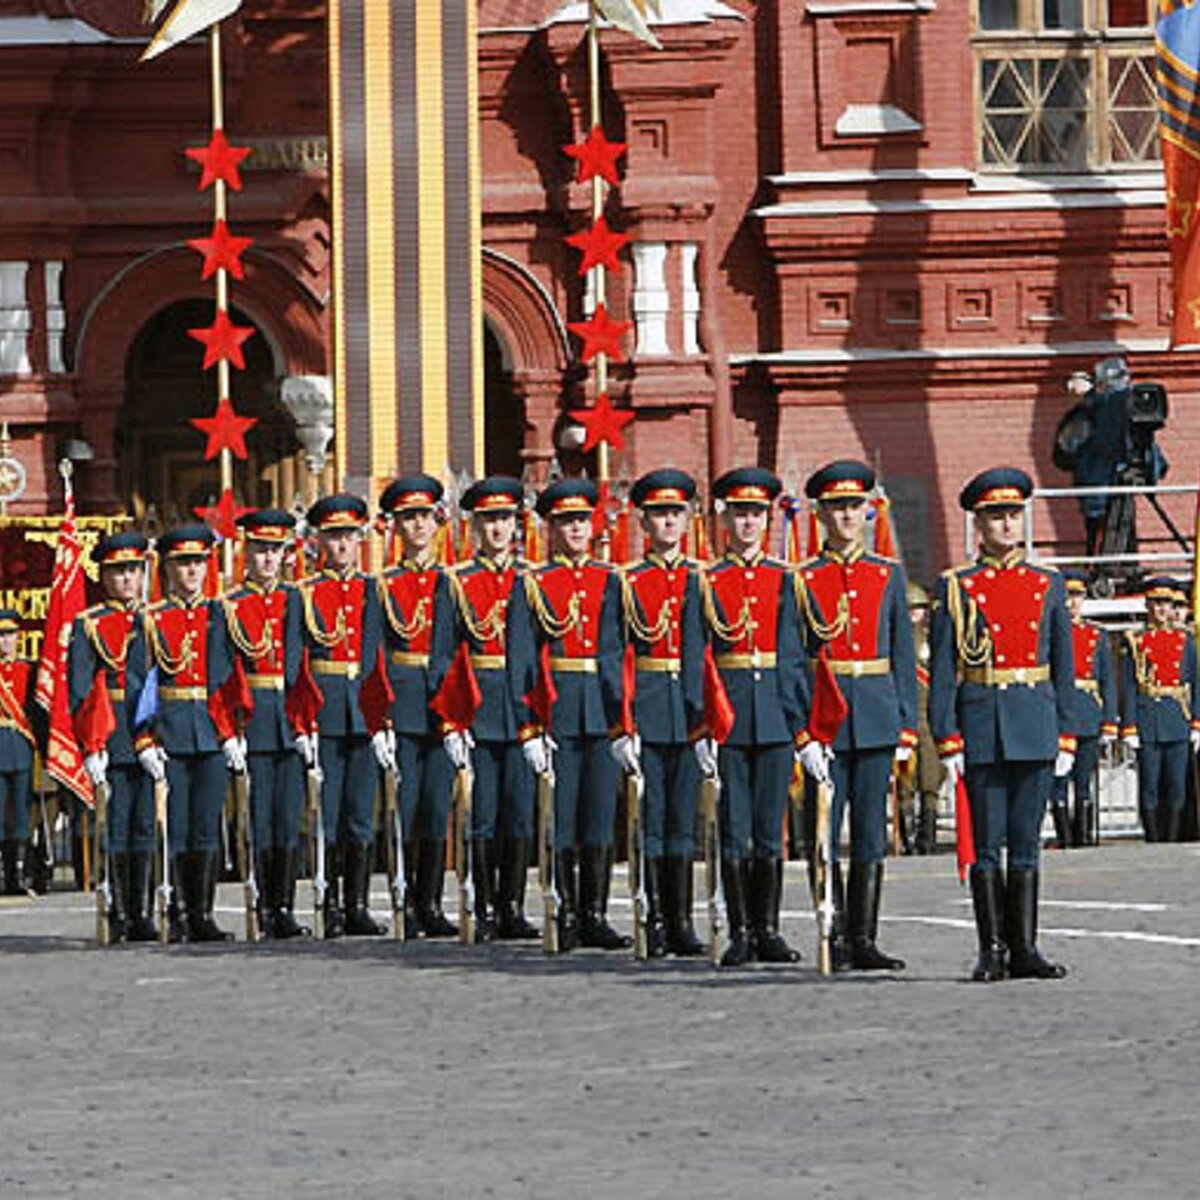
(162, 469)
(503, 410)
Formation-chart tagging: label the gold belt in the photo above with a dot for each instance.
(645, 662)
(860, 666)
(1091, 686)
(328, 666)
(746, 662)
(576, 666)
(116, 693)
(266, 683)
(1164, 691)
(489, 662)
(408, 658)
(1003, 676)
(188, 693)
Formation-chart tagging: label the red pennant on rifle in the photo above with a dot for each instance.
(628, 688)
(304, 700)
(719, 715)
(964, 830)
(375, 697)
(541, 697)
(829, 707)
(458, 699)
(95, 721)
(232, 703)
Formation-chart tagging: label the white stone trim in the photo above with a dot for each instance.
(1022, 350)
(874, 120)
(1002, 202)
(873, 175)
(651, 299)
(841, 8)
(47, 31)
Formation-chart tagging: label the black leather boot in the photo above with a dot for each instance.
(766, 894)
(118, 911)
(1169, 825)
(927, 832)
(431, 878)
(357, 874)
(412, 927)
(678, 897)
(987, 889)
(140, 903)
(595, 874)
(1062, 822)
(481, 876)
(12, 868)
(1085, 824)
(335, 917)
(1150, 823)
(568, 900)
(284, 925)
(866, 890)
(205, 869)
(656, 930)
(268, 900)
(733, 880)
(177, 904)
(906, 841)
(1021, 919)
(841, 944)
(511, 925)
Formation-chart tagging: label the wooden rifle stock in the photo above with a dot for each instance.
(545, 835)
(463, 784)
(393, 836)
(718, 930)
(103, 793)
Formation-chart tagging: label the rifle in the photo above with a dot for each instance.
(241, 796)
(162, 892)
(635, 787)
(823, 877)
(545, 836)
(710, 838)
(313, 781)
(464, 782)
(103, 794)
(393, 834)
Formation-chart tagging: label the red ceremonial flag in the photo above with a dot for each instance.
(964, 830)
(95, 722)
(375, 696)
(68, 597)
(719, 715)
(829, 707)
(458, 699)
(304, 700)
(541, 697)
(232, 703)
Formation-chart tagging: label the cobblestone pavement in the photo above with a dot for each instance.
(365, 1069)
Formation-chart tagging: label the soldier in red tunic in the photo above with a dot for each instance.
(16, 752)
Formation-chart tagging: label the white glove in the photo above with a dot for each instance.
(903, 753)
(537, 753)
(706, 755)
(459, 743)
(627, 750)
(96, 766)
(1132, 742)
(1063, 762)
(384, 745)
(154, 762)
(955, 764)
(1194, 738)
(235, 755)
(815, 758)
(306, 744)
(1107, 739)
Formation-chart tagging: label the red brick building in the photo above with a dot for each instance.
(881, 228)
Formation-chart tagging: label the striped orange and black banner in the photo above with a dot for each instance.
(404, 160)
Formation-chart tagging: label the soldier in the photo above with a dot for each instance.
(182, 640)
(339, 627)
(922, 776)
(16, 752)
(418, 642)
(572, 607)
(1093, 717)
(1001, 678)
(1159, 705)
(749, 606)
(502, 801)
(100, 640)
(853, 604)
(662, 618)
(259, 616)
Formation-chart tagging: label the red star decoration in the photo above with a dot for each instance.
(223, 339)
(225, 430)
(599, 246)
(603, 423)
(600, 334)
(219, 160)
(596, 155)
(222, 251)
(223, 515)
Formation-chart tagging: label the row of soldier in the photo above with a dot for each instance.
(584, 673)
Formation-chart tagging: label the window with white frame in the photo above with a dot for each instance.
(1065, 85)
